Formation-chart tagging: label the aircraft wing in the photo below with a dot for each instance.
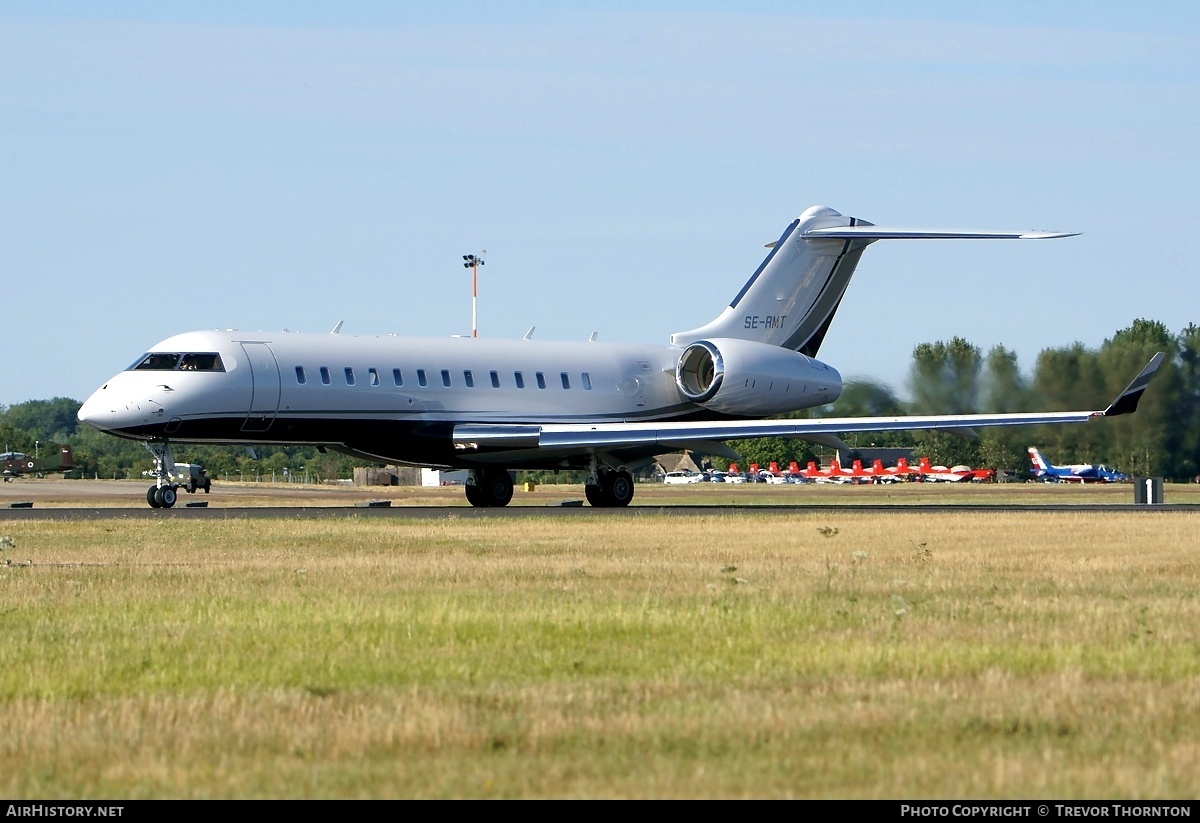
(670, 436)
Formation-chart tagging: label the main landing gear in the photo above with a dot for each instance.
(609, 488)
(163, 494)
(605, 487)
(489, 487)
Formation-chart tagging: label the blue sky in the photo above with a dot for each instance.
(178, 166)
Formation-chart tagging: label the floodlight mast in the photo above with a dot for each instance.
(473, 262)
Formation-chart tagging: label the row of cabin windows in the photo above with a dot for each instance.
(423, 378)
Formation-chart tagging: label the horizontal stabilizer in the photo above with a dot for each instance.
(791, 298)
(883, 233)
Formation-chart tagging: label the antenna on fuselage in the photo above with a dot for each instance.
(338, 328)
(529, 334)
(592, 339)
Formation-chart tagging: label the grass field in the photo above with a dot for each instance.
(750, 654)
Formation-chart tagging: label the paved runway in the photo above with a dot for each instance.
(58, 499)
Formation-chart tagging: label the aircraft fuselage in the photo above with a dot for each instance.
(395, 399)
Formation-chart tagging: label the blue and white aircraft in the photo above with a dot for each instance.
(493, 406)
(1074, 473)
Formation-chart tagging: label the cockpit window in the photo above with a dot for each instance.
(171, 361)
(156, 361)
(201, 362)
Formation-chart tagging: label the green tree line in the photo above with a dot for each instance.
(955, 377)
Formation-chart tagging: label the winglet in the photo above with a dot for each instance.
(1127, 402)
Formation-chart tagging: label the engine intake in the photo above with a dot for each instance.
(753, 379)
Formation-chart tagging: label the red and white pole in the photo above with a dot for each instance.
(473, 263)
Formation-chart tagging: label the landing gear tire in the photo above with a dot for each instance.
(618, 488)
(615, 490)
(492, 488)
(152, 497)
(165, 497)
(497, 488)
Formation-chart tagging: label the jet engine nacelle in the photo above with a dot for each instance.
(743, 377)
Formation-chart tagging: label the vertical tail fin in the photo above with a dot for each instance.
(1039, 462)
(791, 298)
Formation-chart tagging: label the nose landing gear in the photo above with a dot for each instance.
(163, 494)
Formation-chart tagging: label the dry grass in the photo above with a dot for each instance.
(805, 654)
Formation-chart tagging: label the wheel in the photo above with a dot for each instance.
(618, 488)
(497, 488)
(207, 485)
(165, 497)
(191, 487)
(152, 497)
(491, 488)
(615, 490)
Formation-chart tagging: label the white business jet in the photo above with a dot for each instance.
(492, 406)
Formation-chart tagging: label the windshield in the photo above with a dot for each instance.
(172, 361)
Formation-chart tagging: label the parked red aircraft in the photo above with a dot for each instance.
(816, 473)
(941, 474)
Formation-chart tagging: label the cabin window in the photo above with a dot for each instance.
(422, 381)
(446, 378)
(495, 380)
(566, 381)
(374, 375)
(397, 377)
(587, 382)
(300, 378)
(349, 376)
(541, 380)
(325, 375)
(469, 378)
(520, 379)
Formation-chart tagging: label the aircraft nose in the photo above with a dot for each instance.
(97, 411)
